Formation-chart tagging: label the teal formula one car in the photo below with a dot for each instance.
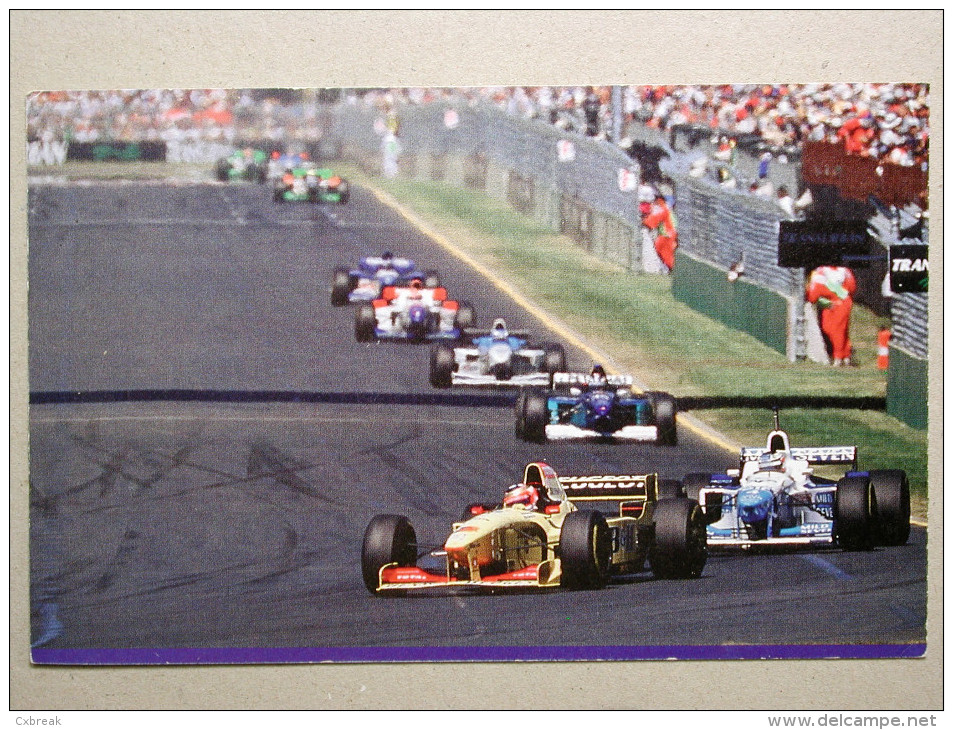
(311, 185)
(246, 164)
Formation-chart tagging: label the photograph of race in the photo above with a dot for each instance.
(478, 374)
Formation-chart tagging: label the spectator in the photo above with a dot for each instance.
(785, 201)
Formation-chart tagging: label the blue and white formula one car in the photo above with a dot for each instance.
(415, 313)
(499, 357)
(373, 273)
(774, 498)
(595, 406)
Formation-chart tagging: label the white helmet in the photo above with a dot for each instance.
(499, 330)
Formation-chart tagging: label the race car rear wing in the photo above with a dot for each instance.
(473, 333)
(810, 454)
(629, 492)
(616, 381)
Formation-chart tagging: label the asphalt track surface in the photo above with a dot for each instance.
(234, 519)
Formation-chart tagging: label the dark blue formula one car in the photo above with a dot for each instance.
(373, 273)
(595, 406)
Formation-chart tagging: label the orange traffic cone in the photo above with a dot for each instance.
(883, 349)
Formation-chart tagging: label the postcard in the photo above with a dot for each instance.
(601, 374)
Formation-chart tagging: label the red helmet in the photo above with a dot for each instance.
(521, 494)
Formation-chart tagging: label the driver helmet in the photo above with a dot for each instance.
(598, 375)
(416, 284)
(499, 330)
(771, 461)
(523, 494)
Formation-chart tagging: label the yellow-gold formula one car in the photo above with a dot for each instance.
(548, 532)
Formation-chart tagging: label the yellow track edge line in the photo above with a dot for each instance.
(554, 325)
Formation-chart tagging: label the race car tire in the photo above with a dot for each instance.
(679, 548)
(535, 417)
(663, 413)
(256, 173)
(365, 323)
(585, 550)
(855, 513)
(441, 366)
(693, 484)
(670, 489)
(279, 196)
(892, 495)
(520, 413)
(387, 539)
(221, 171)
(466, 317)
(431, 279)
(554, 358)
(340, 287)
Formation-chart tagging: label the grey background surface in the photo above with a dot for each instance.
(146, 49)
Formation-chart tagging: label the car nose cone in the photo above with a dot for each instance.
(754, 505)
(498, 353)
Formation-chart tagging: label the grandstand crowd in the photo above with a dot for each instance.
(886, 121)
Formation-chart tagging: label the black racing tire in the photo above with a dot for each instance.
(340, 287)
(892, 495)
(679, 548)
(554, 358)
(221, 170)
(431, 279)
(663, 415)
(520, 410)
(535, 417)
(466, 317)
(279, 196)
(344, 192)
(670, 489)
(585, 551)
(387, 539)
(441, 366)
(365, 323)
(693, 484)
(855, 513)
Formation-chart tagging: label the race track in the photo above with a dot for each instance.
(231, 517)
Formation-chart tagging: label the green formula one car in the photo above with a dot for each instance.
(311, 185)
(245, 164)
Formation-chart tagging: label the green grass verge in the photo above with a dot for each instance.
(131, 170)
